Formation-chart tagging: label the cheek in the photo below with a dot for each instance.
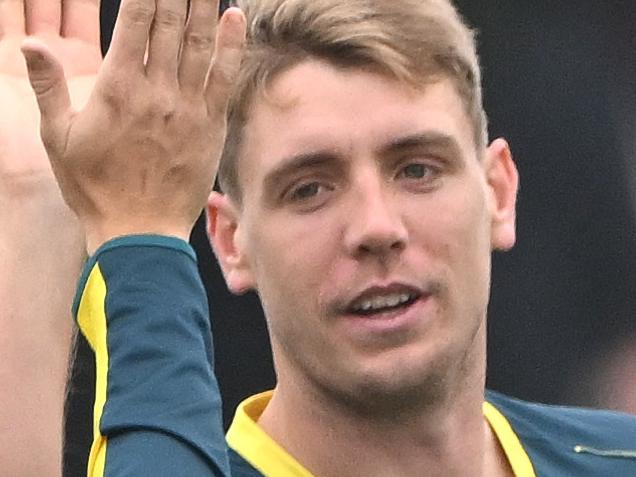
(289, 268)
(473, 261)
(294, 254)
(290, 261)
(460, 234)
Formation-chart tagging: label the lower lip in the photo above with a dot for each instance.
(398, 320)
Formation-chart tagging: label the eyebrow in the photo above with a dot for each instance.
(420, 140)
(297, 163)
(423, 140)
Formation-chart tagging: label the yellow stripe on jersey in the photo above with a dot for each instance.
(516, 454)
(247, 438)
(91, 318)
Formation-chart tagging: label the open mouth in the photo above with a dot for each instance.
(383, 304)
(384, 300)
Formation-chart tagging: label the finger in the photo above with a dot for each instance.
(80, 19)
(12, 20)
(227, 60)
(198, 45)
(165, 39)
(130, 36)
(43, 17)
(49, 84)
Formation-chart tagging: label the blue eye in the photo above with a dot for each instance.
(417, 171)
(306, 191)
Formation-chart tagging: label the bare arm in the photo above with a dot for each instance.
(41, 244)
(161, 95)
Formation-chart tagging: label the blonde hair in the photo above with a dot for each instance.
(415, 41)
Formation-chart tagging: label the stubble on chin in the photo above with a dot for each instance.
(411, 391)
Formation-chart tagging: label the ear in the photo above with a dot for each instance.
(503, 182)
(225, 237)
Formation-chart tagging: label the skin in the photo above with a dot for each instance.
(398, 393)
(161, 93)
(380, 225)
(41, 243)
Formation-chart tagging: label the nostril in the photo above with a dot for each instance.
(364, 249)
(379, 234)
(380, 247)
(398, 245)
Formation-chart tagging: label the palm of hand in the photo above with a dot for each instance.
(22, 155)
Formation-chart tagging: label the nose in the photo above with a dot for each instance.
(375, 222)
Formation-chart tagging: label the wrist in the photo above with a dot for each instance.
(40, 216)
(28, 186)
(97, 238)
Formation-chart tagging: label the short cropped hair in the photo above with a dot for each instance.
(415, 41)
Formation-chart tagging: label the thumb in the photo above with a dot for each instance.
(48, 82)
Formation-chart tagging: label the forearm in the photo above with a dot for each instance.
(144, 312)
(41, 253)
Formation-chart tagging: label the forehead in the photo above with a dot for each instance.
(317, 107)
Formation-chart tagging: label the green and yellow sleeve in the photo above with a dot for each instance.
(143, 309)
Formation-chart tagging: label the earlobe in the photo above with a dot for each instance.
(225, 238)
(503, 180)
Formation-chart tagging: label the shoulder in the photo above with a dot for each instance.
(587, 439)
(592, 425)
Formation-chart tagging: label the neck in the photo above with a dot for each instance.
(447, 437)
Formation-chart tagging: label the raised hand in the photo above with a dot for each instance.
(142, 155)
(70, 30)
(41, 244)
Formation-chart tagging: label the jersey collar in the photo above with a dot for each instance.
(247, 439)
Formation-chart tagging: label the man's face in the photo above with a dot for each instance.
(367, 225)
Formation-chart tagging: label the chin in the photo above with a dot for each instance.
(393, 390)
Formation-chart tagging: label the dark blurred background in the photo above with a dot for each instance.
(560, 85)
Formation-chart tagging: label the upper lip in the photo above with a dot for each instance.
(381, 290)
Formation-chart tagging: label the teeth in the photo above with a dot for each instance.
(380, 302)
